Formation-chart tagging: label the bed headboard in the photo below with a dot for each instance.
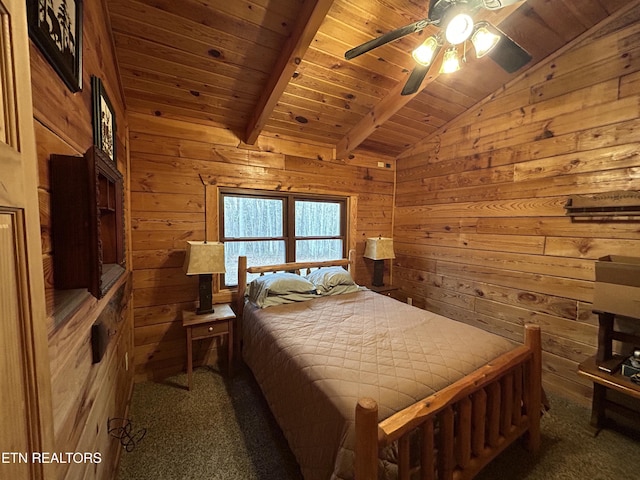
(300, 268)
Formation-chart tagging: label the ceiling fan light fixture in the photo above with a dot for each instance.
(483, 40)
(451, 61)
(459, 28)
(425, 52)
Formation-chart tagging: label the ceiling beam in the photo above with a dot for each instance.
(310, 18)
(382, 112)
(393, 102)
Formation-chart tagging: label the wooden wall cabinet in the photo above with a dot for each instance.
(87, 221)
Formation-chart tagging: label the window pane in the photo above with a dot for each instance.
(246, 217)
(317, 219)
(316, 250)
(257, 253)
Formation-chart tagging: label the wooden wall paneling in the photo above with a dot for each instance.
(521, 207)
(568, 127)
(170, 258)
(517, 261)
(510, 243)
(597, 160)
(551, 285)
(562, 226)
(175, 129)
(160, 313)
(145, 240)
(149, 146)
(629, 85)
(532, 301)
(586, 247)
(552, 325)
(166, 107)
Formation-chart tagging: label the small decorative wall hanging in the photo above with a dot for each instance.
(625, 203)
(104, 120)
(55, 26)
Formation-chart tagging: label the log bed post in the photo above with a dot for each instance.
(242, 287)
(366, 464)
(351, 268)
(533, 340)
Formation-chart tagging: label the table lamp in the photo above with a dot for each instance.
(204, 259)
(379, 249)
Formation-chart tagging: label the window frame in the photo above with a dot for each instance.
(288, 228)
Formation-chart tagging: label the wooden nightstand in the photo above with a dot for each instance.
(208, 325)
(387, 290)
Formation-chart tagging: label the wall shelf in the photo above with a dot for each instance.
(611, 204)
(88, 222)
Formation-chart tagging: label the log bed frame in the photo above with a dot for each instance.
(463, 426)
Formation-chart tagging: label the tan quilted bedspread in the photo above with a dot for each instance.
(315, 359)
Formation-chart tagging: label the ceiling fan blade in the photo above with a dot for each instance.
(415, 80)
(386, 38)
(498, 4)
(508, 54)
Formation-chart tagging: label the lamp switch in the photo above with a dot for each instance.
(381, 164)
(410, 300)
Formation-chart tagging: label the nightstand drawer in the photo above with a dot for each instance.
(210, 329)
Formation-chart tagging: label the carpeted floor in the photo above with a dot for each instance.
(223, 429)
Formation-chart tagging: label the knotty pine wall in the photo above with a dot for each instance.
(170, 159)
(84, 396)
(480, 229)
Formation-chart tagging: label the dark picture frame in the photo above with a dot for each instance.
(55, 26)
(104, 120)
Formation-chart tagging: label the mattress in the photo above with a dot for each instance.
(313, 360)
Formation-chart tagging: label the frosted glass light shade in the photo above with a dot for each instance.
(451, 62)
(425, 52)
(483, 41)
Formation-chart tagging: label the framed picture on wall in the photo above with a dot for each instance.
(104, 120)
(55, 26)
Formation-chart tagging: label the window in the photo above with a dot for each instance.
(272, 228)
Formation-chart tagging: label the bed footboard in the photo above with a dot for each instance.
(462, 427)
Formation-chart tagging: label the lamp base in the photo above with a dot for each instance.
(378, 273)
(205, 282)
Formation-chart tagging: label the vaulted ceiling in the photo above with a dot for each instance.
(277, 67)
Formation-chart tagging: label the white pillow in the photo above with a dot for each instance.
(326, 278)
(281, 283)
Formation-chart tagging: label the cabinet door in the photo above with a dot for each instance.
(25, 388)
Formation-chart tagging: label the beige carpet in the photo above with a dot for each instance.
(223, 429)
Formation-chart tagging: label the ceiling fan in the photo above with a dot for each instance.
(455, 17)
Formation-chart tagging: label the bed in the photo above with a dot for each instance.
(366, 387)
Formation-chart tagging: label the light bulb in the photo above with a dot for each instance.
(425, 52)
(459, 28)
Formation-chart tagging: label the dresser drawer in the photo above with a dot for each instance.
(210, 329)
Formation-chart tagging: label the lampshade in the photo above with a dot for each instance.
(204, 257)
(451, 62)
(379, 248)
(483, 40)
(425, 52)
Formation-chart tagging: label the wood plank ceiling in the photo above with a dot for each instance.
(277, 67)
